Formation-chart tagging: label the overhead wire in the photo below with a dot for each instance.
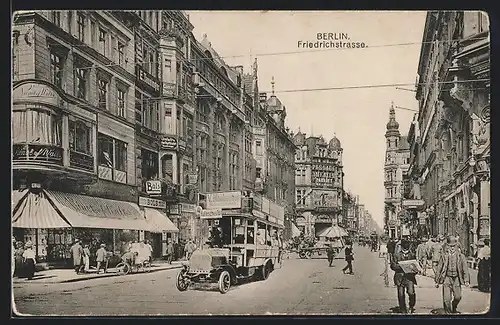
(283, 53)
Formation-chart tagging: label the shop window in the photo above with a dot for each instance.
(79, 137)
(36, 127)
(102, 89)
(81, 22)
(59, 242)
(103, 42)
(56, 18)
(149, 164)
(121, 102)
(121, 53)
(112, 158)
(56, 68)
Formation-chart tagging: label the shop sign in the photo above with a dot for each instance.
(50, 154)
(168, 89)
(421, 221)
(188, 208)
(174, 209)
(168, 143)
(413, 203)
(266, 205)
(193, 179)
(182, 145)
(258, 214)
(211, 214)
(147, 79)
(39, 93)
(223, 200)
(152, 203)
(153, 187)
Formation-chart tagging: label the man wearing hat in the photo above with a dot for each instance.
(77, 253)
(435, 252)
(484, 265)
(101, 258)
(422, 254)
(404, 281)
(452, 273)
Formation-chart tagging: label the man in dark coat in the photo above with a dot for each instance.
(330, 252)
(349, 257)
(452, 273)
(391, 248)
(405, 282)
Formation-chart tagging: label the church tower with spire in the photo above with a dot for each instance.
(396, 164)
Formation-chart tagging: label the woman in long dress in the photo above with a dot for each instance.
(29, 260)
(18, 259)
(86, 257)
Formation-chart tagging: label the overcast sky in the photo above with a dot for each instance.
(357, 116)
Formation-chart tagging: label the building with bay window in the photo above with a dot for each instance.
(74, 167)
(319, 181)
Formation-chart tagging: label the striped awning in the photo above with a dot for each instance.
(36, 212)
(333, 232)
(17, 196)
(159, 221)
(84, 211)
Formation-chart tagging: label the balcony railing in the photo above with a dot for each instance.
(81, 160)
(38, 152)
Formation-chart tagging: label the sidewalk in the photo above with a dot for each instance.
(69, 275)
(429, 298)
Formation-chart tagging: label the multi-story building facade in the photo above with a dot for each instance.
(397, 158)
(452, 151)
(73, 131)
(278, 169)
(319, 182)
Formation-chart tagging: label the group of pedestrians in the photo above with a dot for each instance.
(81, 257)
(23, 259)
(449, 266)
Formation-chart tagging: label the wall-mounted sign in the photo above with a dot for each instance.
(146, 78)
(413, 203)
(174, 209)
(42, 153)
(258, 214)
(182, 145)
(188, 208)
(223, 200)
(152, 203)
(35, 92)
(168, 89)
(153, 187)
(192, 179)
(211, 214)
(325, 198)
(168, 143)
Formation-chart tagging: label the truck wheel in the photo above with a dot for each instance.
(182, 284)
(224, 282)
(308, 254)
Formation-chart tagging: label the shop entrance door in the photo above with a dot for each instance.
(156, 244)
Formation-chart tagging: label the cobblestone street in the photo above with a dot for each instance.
(300, 287)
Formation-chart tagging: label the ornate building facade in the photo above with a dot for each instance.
(74, 168)
(397, 157)
(319, 183)
(452, 152)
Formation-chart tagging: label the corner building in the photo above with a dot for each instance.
(74, 168)
(397, 158)
(319, 182)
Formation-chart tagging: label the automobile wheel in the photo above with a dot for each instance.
(266, 270)
(182, 284)
(302, 254)
(308, 254)
(224, 282)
